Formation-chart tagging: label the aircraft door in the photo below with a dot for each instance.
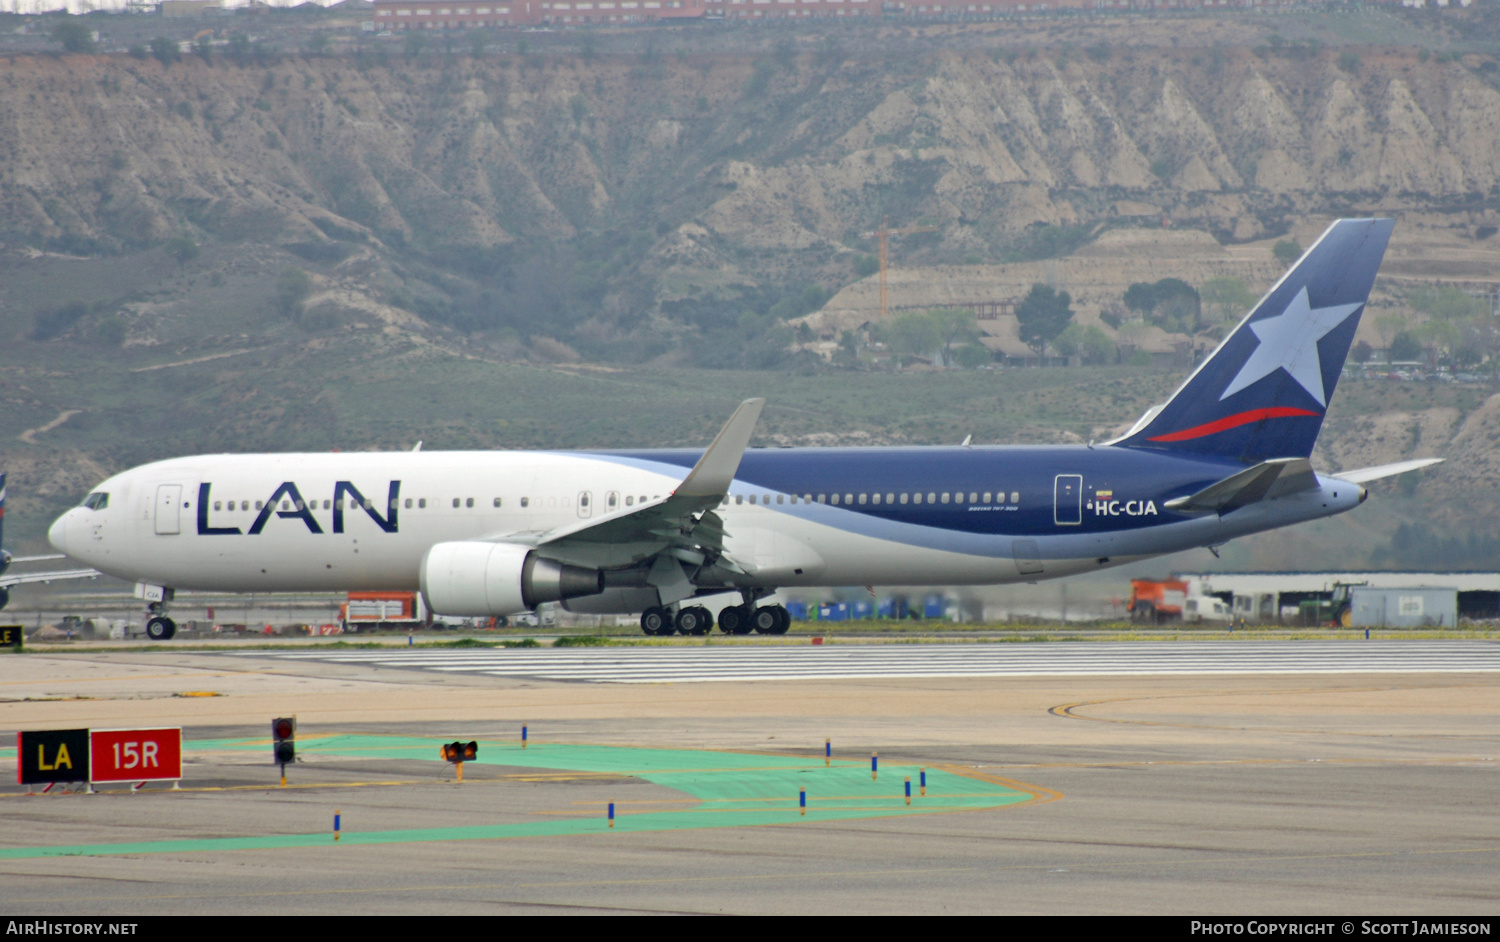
(169, 509)
(1067, 506)
(585, 503)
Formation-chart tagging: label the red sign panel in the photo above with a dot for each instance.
(135, 755)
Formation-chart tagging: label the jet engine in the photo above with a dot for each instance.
(472, 578)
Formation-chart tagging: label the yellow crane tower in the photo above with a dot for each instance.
(884, 234)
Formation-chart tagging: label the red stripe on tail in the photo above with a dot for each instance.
(1233, 421)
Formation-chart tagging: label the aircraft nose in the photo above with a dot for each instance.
(58, 534)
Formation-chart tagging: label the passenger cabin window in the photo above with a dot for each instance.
(973, 498)
(862, 498)
(780, 498)
(497, 502)
(216, 504)
(612, 500)
(822, 499)
(903, 498)
(469, 502)
(259, 505)
(986, 497)
(455, 503)
(835, 500)
(890, 498)
(526, 502)
(408, 503)
(421, 503)
(1015, 497)
(629, 501)
(945, 497)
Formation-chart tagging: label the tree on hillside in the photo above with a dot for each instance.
(165, 50)
(1287, 251)
(1043, 314)
(74, 36)
(954, 324)
(1225, 300)
(1171, 303)
(292, 288)
(1405, 347)
(913, 333)
(1090, 344)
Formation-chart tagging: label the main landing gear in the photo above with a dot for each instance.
(734, 620)
(765, 620)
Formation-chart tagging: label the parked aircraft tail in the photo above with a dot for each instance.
(1264, 391)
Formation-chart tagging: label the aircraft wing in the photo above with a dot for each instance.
(1361, 475)
(60, 575)
(682, 522)
(1263, 481)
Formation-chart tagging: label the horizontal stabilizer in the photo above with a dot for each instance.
(1266, 480)
(1361, 475)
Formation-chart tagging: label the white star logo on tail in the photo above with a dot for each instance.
(1289, 341)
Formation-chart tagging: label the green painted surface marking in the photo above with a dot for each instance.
(723, 789)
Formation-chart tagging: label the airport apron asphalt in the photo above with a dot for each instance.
(730, 789)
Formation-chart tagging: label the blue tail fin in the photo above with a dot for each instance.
(1262, 394)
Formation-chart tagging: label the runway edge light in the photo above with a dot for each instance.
(284, 743)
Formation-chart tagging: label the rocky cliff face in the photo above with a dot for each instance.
(698, 177)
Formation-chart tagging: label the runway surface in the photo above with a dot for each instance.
(1217, 792)
(706, 664)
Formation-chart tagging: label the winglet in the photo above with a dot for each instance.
(713, 473)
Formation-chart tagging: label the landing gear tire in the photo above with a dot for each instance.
(729, 620)
(694, 620)
(735, 620)
(4, 597)
(765, 620)
(161, 628)
(783, 619)
(655, 621)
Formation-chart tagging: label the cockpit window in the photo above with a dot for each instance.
(96, 501)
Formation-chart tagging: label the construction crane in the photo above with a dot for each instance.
(884, 234)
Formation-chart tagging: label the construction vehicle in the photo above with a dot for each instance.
(1154, 601)
(367, 611)
(1335, 611)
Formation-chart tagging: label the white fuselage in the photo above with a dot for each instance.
(204, 523)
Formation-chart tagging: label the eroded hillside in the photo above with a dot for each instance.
(572, 196)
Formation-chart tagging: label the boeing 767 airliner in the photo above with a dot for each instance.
(496, 532)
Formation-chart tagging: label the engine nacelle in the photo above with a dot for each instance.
(472, 578)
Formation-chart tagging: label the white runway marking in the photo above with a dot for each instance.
(706, 664)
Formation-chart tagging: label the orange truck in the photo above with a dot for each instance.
(370, 610)
(1156, 600)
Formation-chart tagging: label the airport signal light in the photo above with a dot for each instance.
(284, 742)
(460, 752)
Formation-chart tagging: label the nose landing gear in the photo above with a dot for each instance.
(158, 626)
